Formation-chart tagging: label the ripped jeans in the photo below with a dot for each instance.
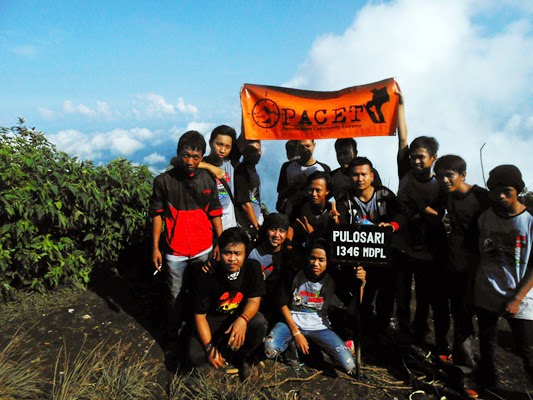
(279, 338)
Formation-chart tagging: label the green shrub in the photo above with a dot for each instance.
(59, 216)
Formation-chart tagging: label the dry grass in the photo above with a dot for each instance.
(20, 373)
(111, 373)
(210, 384)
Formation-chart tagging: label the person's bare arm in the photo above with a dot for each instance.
(249, 210)
(402, 127)
(204, 333)
(522, 290)
(299, 338)
(157, 227)
(430, 211)
(214, 170)
(217, 227)
(237, 330)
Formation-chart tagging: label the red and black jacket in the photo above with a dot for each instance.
(186, 203)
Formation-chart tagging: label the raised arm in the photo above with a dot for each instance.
(403, 143)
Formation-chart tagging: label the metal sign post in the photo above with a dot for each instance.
(355, 245)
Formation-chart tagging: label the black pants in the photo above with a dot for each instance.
(522, 331)
(431, 289)
(379, 290)
(462, 309)
(255, 332)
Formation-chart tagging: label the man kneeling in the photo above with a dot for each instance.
(226, 303)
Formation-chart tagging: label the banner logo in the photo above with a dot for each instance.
(266, 113)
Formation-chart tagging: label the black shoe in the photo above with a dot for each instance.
(485, 378)
(248, 371)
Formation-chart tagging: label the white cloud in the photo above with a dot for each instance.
(465, 84)
(101, 110)
(28, 51)
(117, 142)
(154, 158)
(202, 127)
(151, 105)
(46, 113)
(186, 108)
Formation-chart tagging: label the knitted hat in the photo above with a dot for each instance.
(506, 175)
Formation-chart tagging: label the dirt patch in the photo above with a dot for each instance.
(128, 307)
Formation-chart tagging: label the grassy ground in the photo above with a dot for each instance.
(103, 343)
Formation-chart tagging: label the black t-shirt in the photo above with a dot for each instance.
(247, 190)
(320, 221)
(216, 294)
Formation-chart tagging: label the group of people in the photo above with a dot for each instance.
(247, 282)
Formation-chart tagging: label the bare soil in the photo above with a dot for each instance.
(127, 305)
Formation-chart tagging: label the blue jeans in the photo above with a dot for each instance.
(279, 338)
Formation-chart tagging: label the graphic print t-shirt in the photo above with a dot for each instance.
(505, 251)
(216, 294)
(228, 214)
(309, 302)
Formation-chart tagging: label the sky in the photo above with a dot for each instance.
(126, 78)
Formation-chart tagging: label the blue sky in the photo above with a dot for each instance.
(108, 79)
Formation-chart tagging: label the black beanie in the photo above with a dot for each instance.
(506, 175)
(276, 220)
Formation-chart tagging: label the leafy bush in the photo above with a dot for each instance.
(59, 216)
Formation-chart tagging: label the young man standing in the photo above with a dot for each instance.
(464, 205)
(424, 245)
(226, 304)
(185, 201)
(504, 280)
(248, 189)
(293, 175)
(223, 143)
(376, 205)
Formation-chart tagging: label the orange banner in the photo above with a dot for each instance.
(271, 112)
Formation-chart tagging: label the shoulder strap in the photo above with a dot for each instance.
(228, 189)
